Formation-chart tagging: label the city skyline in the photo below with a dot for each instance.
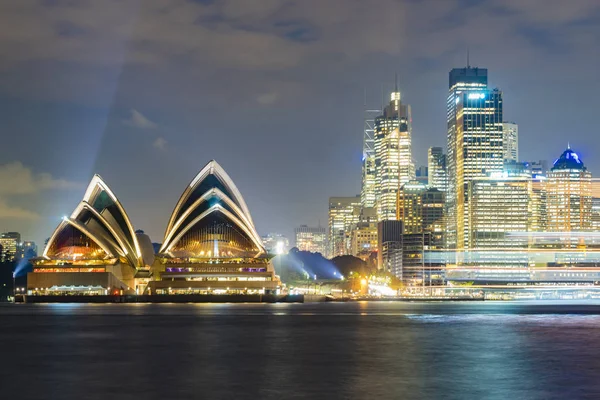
(145, 122)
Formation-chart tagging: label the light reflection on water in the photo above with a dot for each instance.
(286, 351)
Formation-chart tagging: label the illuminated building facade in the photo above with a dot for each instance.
(475, 144)
(596, 214)
(393, 155)
(95, 251)
(569, 195)
(310, 238)
(421, 211)
(344, 214)
(436, 169)
(363, 239)
(537, 208)
(510, 141)
(211, 245)
(11, 244)
(497, 208)
(369, 173)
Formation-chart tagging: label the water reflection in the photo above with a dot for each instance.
(286, 351)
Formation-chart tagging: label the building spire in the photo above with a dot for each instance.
(396, 83)
(568, 145)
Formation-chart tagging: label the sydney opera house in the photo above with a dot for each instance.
(210, 247)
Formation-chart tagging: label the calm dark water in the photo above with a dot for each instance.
(301, 351)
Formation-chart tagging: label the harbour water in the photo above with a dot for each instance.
(359, 350)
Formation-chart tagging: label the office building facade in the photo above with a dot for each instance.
(393, 155)
(569, 195)
(475, 144)
(310, 238)
(344, 214)
(11, 246)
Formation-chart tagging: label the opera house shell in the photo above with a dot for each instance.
(210, 247)
(94, 251)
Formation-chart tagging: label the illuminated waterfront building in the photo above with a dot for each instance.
(596, 214)
(10, 242)
(569, 195)
(344, 214)
(538, 216)
(475, 144)
(313, 239)
(393, 155)
(436, 169)
(498, 207)
(510, 141)
(95, 251)
(211, 245)
(421, 211)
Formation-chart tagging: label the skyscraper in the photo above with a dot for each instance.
(368, 189)
(510, 141)
(393, 155)
(436, 170)
(344, 213)
(475, 147)
(421, 211)
(569, 194)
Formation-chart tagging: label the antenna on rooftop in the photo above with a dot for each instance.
(468, 63)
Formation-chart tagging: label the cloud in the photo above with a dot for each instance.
(139, 120)
(160, 143)
(18, 179)
(7, 212)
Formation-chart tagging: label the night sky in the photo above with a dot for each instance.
(146, 92)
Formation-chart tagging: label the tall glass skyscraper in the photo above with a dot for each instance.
(393, 155)
(368, 189)
(475, 143)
